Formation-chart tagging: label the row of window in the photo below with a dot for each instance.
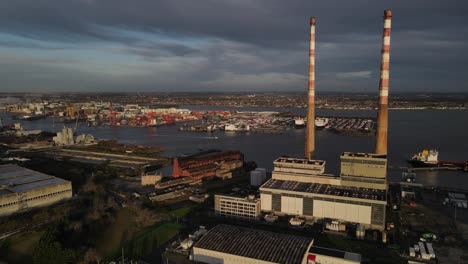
(378, 162)
(238, 205)
(237, 209)
(33, 198)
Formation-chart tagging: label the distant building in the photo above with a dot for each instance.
(211, 163)
(151, 179)
(22, 189)
(66, 137)
(174, 190)
(235, 206)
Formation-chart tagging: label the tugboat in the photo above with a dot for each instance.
(426, 158)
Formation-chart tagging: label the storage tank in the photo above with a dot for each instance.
(263, 171)
(255, 178)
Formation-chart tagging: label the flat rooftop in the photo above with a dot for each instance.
(327, 189)
(300, 161)
(363, 155)
(255, 244)
(236, 196)
(16, 179)
(335, 253)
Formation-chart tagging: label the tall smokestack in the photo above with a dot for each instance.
(382, 118)
(310, 136)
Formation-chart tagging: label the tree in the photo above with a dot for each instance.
(49, 249)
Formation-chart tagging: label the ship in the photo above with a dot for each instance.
(299, 122)
(32, 117)
(425, 158)
(430, 158)
(68, 120)
(237, 128)
(320, 123)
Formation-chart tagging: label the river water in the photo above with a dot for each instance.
(410, 131)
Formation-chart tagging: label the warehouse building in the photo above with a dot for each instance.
(231, 244)
(298, 187)
(227, 244)
(207, 164)
(235, 206)
(22, 189)
(321, 255)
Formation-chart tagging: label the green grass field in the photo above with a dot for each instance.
(181, 212)
(153, 238)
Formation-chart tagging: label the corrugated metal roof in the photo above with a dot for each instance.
(255, 244)
(14, 178)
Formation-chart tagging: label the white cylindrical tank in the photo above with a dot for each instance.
(255, 178)
(263, 171)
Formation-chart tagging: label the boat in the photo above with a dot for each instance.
(32, 117)
(320, 123)
(69, 120)
(299, 122)
(426, 158)
(237, 128)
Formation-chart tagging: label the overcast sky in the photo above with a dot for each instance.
(229, 45)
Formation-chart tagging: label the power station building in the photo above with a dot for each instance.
(297, 188)
(365, 170)
(22, 189)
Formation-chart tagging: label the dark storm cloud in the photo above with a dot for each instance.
(244, 44)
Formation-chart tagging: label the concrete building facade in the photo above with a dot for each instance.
(366, 170)
(234, 206)
(22, 189)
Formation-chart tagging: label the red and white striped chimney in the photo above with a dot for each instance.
(310, 135)
(382, 118)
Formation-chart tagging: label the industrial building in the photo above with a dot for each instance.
(321, 255)
(319, 201)
(235, 206)
(365, 170)
(173, 190)
(22, 189)
(150, 179)
(232, 244)
(299, 187)
(210, 163)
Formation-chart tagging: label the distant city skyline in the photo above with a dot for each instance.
(229, 46)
